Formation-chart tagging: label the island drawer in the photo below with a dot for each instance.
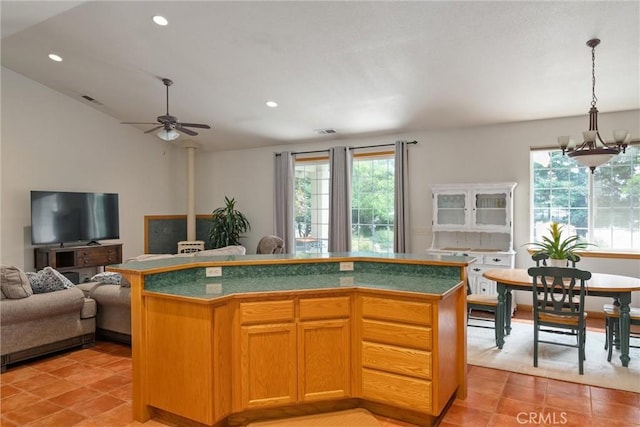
(399, 360)
(324, 308)
(266, 312)
(397, 390)
(396, 310)
(419, 337)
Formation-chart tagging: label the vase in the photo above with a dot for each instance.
(553, 262)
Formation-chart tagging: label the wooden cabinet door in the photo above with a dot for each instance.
(268, 365)
(324, 360)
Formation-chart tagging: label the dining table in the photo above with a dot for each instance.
(614, 286)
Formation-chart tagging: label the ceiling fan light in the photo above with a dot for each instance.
(168, 135)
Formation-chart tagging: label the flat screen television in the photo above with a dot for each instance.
(66, 217)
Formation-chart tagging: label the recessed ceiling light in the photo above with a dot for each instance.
(271, 104)
(55, 57)
(160, 20)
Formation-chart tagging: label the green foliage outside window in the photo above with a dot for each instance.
(561, 193)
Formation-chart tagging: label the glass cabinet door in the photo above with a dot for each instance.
(451, 208)
(491, 209)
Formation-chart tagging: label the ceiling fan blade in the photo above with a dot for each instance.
(137, 123)
(196, 125)
(153, 129)
(185, 130)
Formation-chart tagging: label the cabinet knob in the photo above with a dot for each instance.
(476, 269)
(496, 260)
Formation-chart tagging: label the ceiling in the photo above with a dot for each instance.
(360, 68)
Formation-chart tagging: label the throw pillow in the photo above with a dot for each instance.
(49, 280)
(14, 282)
(111, 278)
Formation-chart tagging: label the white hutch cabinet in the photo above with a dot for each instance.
(475, 220)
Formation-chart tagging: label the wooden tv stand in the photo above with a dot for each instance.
(74, 257)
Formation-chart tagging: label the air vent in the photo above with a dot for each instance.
(324, 131)
(90, 99)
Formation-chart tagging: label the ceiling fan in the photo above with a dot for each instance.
(169, 124)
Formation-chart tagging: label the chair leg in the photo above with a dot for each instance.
(535, 346)
(606, 334)
(582, 336)
(609, 337)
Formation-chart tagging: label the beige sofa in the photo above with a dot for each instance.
(113, 319)
(35, 324)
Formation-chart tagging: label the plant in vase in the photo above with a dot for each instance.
(227, 225)
(557, 248)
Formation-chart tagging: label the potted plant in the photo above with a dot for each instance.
(557, 248)
(227, 225)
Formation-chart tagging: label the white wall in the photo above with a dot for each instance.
(53, 142)
(50, 141)
(495, 153)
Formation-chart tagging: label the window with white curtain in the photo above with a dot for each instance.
(372, 203)
(603, 207)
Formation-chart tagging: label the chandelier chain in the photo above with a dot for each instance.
(594, 99)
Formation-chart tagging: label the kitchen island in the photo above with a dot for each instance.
(228, 340)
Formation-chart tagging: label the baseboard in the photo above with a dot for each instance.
(113, 336)
(84, 341)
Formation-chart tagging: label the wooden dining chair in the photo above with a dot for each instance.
(612, 326)
(541, 261)
(486, 304)
(559, 288)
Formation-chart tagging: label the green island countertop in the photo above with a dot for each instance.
(185, 276)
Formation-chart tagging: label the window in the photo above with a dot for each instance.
(372, 204)
(603, 207)
(311, 206)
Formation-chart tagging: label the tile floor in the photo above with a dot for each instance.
(92, 387)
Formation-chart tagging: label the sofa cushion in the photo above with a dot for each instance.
(227, 250)
(88, 287)
(14, 283)
(149, 257)
(39, 306)
(111, 278)
(48, 280)
(111, 295)
(89, 309)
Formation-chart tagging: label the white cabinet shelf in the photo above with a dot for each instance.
(475, 220)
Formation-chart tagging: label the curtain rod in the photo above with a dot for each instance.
(350, 148)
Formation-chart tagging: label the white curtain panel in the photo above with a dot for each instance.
(401, 203)
(340, 199)
(283, 207)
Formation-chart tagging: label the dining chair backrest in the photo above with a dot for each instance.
(541, 259)
(561, 291)
(558, 306)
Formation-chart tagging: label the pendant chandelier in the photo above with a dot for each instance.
(594, 151)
